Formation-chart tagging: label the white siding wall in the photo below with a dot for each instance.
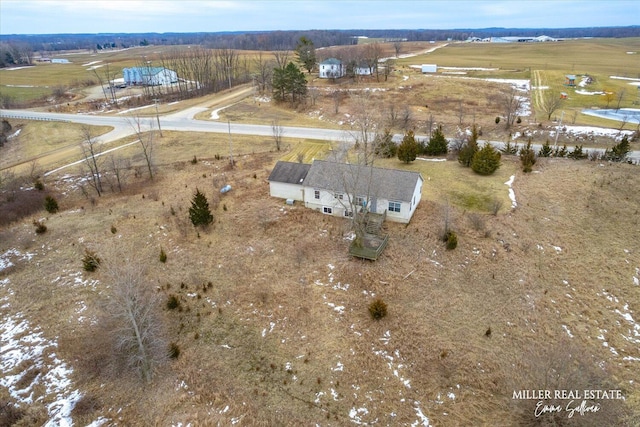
(328, 71)
(363, 71)
(327, 199)
(286, 191)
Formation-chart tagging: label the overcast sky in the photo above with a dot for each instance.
(140, 16)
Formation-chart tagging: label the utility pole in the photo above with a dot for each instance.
(158, 116)
(230, 146)
(558, 131)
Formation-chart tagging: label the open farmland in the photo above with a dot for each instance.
(270, 314)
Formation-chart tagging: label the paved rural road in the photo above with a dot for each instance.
(184, 121)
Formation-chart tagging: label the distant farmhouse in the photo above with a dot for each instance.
(332, 68)
(363, 69)
(149, 76)
(333, 188)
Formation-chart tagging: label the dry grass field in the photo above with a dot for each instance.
(272, 320)
(273, 327)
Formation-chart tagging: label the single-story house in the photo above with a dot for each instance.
(332, 68)
(286, 178)
(340, 188)
(149, 76)
(429, 68)
(363, 69)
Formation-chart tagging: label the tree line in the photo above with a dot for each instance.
(279, 40)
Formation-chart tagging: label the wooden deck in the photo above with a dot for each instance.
(371, 247)
(373, 242)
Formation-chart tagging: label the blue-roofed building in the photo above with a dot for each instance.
(149, 76)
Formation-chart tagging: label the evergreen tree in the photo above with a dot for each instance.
(306, 53)
(509, 149)
(527, 157)
(562, 152)
(408, 148)
(619, 151)
(199, 212)
(577, 153)
(486, 161)
(50, 204)
(384, 145)
(546, 150)
(289, 82)
(438, 144)
(469, 149)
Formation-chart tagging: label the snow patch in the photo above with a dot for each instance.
(567, 331)
(512, 194)
(26, 351)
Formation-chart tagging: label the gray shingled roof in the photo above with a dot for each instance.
(289, 172)
(331, 61)
(390, 184)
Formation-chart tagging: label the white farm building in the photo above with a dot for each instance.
(336, 188)
(332, 68)
(429, 68)
(149, 76)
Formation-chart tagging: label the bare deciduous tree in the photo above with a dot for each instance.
(388, 68)
(397, 47)
(278, 132)
(91, 152)
(460, 112)
(550, 102)
(133, 309)
(373, 52)
(406, 118)
(314, 94)
(105, 77)
(119, 169)
(336, 96)
(146, 141)
(264, 68)
(366, 123)
(619, 98)
(281, 57)
(429, 125)
(393, 115)
(511, 102)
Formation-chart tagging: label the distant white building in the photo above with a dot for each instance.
(332, 68)
(60, 61)
(149, 76)
(429, 68)
(363, 69)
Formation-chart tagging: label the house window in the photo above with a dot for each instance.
(316, 194)
(327, 210)
(361, 201)
(348, 213)
(394, 207)
(339, 196)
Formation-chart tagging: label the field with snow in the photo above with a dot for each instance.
(274, 325)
